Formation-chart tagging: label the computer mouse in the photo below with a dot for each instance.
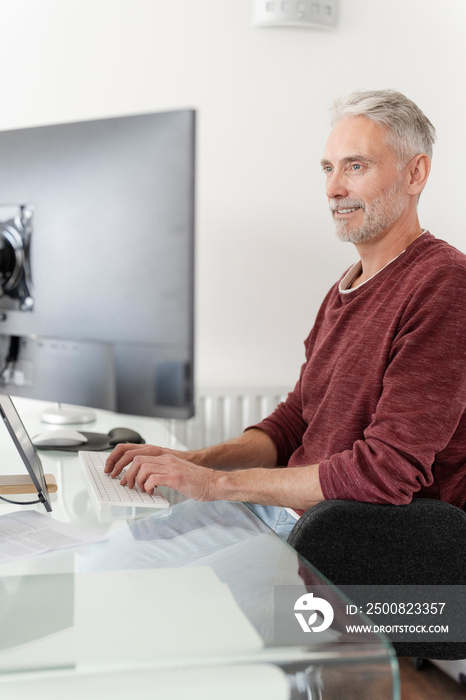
(59, 437)
(118, 435)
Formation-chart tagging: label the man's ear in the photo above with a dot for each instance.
(418, 170)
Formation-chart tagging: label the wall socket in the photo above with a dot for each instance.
(321, 14)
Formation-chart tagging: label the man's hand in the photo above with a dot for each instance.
(153, 466)
(254, 476)
(124, 454)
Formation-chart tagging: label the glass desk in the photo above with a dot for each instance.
(196, 601)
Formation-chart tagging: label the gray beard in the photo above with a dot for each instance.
(383, 212)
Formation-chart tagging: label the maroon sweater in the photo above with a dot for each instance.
(380, 404)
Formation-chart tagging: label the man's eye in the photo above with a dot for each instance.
(356, 166)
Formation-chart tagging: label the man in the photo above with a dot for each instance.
(379, 411)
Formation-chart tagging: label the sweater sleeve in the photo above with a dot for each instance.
(286, 425)
(422, 402)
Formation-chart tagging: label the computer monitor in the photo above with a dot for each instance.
(25, 448)
(97, 263)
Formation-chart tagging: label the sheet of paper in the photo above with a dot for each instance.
(160, 613)
(28, 533)
(137, 618)
(211, 682)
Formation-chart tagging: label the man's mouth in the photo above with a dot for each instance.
(344, 210)
(347, 211)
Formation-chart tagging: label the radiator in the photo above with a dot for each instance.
(224, 412)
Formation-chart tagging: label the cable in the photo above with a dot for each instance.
(11, 359)
(13, 350)
(20, 503)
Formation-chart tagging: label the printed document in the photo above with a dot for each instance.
(28, 533)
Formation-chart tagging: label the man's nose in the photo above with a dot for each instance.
(335, 185)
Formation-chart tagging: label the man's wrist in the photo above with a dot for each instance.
(225, 486)
(196, 457)
(212, 457)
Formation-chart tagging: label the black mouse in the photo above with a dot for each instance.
(119, 435)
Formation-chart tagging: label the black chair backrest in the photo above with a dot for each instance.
(423, 543)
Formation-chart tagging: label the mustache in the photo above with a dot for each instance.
(348, 203)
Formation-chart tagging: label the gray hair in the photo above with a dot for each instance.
(409, 132)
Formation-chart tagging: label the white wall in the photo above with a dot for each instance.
(266, 251)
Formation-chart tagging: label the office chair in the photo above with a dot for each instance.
(353, 543)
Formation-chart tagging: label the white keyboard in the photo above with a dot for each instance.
(109, 492)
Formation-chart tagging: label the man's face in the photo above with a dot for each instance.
(365, 186)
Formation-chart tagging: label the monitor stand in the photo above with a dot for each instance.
(64, 415)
